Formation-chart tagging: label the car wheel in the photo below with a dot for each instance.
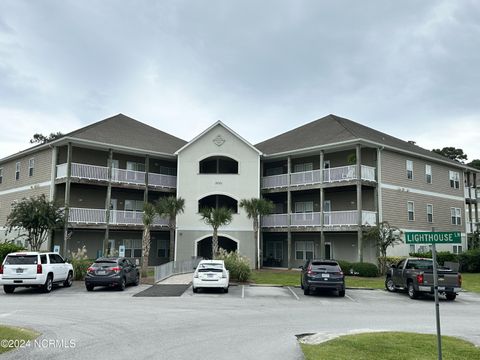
(69, 281)
(89, 287)
(47, 287)
(122, 284)
(225, 290)
(306, 290)
(390, 285)
(451, 296)
(195, 290)
(411, 291)
(9, 289)
(137, 280)
(341, 293)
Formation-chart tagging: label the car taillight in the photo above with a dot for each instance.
(90, 270)
(309, 270)
(195, 275)
(1, 269)
(420, 278)
(115, 269)
(39, 268)
(460, 279)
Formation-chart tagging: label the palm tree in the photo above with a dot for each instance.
(147, 219)
(168, 208)
(256, 208)
(216, 218)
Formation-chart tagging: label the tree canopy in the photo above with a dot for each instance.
(475, 164)
(452, 153)
(42, 139)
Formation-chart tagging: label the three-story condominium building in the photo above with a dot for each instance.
(329, 180)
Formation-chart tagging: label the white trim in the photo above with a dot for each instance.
(204, 227)
(203, 237)
(210, 128)
(413, 210)
(421, 192)
(53, 173)
(26, 187)
(379, 182)
(430, 222)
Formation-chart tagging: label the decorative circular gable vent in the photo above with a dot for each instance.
(219, 140)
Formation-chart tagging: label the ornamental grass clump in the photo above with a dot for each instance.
(237, 265)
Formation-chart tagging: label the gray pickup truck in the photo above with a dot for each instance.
(416, 276)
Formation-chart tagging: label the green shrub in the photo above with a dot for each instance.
(237, 265)
(442, 256)
(365, 269)
(80, 262)
(345, 266)
(470, 261)
(387, 261)
(7, 248)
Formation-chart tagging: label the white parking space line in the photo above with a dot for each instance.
(293, 292)
(349, 297)
(243, 291)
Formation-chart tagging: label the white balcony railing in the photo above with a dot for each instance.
(275, 181)
(336, 218)
(471, 192)
(61, 171)
(305, 219)
(83, 171)
(342, 173)
(87, 216)
(128, 176)
(162, 180)
(275, 220)
(369, 218)
(368, 173)
(305, 177)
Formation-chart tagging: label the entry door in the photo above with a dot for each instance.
(111, 247)
(274, 255)
(113, 214)
(328, 251)
(327, 208)
(326, 172)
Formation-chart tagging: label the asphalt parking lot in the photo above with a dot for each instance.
(250, 322)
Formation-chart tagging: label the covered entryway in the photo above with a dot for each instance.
(204, 246)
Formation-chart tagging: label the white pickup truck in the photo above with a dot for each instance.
(34, 269)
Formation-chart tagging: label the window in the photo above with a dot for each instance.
(274, 171)
(303, 250)
(163, 248)
(134, 205)
(31, 166)
(457, 249)
(168, 170)
(1, 175)
(303, 167)
(456, 215)
(428, 174)
(218, 165)
(454, 179)
(218, 201)
(133, 248)
(430, 213)
(304, 206)
(17, 170)
(409, 169)
(411, 211)
(134, 166)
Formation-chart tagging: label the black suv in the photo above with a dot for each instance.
(322, 274)
(112, 271)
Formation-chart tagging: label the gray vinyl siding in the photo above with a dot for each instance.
(395, 211)
(394, 173)
(83, 156)
(6, 200)
(347, 200)
(82, 196)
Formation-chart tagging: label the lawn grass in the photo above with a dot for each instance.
(365, 282)
(390, 346)
(471, 282)
(14, 333)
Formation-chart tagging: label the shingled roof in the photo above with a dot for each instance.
(124, 131)
(333, 129)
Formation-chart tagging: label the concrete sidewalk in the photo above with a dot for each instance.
(182, 279)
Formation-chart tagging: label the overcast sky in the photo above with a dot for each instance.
(407, 68)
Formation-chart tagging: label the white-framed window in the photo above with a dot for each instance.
(457, 249)
(430, 213)
(31, 166)
(303, 250)
(133, 248)
(1, 175)
(303, 167)
(163, 248)
(411, 211)
(409, 166)
(428, 174)
(17, 170)
(133, 205)
(456, 215)
(304, 206)
(454, 179)
(134, 166)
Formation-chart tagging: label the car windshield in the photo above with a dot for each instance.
(21, 260)
(420, 264)
(104, 264)
(328, 266)
(217, 267)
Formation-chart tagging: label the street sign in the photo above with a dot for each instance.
(427, 237)
(121, 251)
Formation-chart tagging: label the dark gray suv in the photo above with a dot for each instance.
(322, 274)
(112, 271)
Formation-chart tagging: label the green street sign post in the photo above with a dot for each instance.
(432, 237)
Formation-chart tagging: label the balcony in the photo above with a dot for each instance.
(119, 176)
(330, 175)
(117, 217)
(330, 219)
(471, 192)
